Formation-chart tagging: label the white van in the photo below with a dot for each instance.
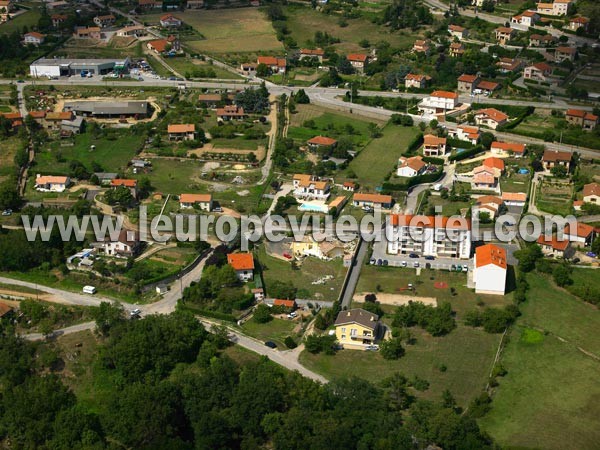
(89, 290)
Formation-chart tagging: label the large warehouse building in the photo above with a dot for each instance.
(64, 67)
(106, 110)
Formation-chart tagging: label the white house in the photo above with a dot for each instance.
(308, 186)
(204, 201)
(466, 133)
(490, 117)
(489, 273)
(182, 132)
(170, 21)
(50, 183)
(508, 148)
(439, 102)
(243, 264)
(410, 167)
(514, 198)
(34, 38)
(126, 245)
(429, 236)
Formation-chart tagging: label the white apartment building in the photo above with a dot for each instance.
(429, 236)
(489, 273)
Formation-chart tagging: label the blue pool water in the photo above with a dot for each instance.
(313, 208)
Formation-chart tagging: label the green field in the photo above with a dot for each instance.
(391, 279)
(174, 176)
(238, 30)
(467, 353)
(380, 156)
(27, 19)
(552, 385)
(276, 330)
(312, 269)
(185, 66)
(327, 123)
(10, 147)
(112, 152)
(303, 22)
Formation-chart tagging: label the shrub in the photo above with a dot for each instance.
(391, 349)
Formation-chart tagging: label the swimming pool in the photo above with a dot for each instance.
(314, 207)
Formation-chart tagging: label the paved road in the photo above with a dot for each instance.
(286, 358)
(354, 274)
(63, 331)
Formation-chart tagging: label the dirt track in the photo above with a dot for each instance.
(395, 299)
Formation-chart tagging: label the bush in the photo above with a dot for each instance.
(317, 344)
(391, 349)
(262, 314)
(290, 343)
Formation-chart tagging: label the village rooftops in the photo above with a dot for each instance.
(494, 163)
(514, 196)
(552, 241)
(430, 139)
(241, 261)
(360, 316)
(581, 230)
(581, 114)
(271, 61)
(485, 199)
(490, 254)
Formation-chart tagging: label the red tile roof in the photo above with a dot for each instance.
(444, 94)
(555, 155)
(591, 189)
(464, 78)
(241, 261)
(195, 198)
(492, 113)
(322, 140)
(286, 303)
(553, 242)
(490, 254)
(357, 57)
(493, 162)
(509, 146)
(123, 182)
(458, 223)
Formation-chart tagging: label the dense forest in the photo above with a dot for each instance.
(164, 382)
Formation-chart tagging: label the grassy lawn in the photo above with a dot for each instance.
(381, 155)
(27, 19)
(448, 207)
(391, 279)
(551, 386)
(82, 48)
(328, 123)
(303, 22)
(160, 70)
(10, 147)
(515, 183)
(311, 270)
(112, 154)
(174, 176)
(276, 330)
(229, 30)
(466, 352)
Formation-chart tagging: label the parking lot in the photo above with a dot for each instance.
(379, 253)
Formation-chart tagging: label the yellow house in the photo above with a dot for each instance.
(357, 328)
(322, 250)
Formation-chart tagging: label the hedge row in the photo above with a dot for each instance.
(434, 160)
(419, 179)
(513, 123)
(415, 144)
